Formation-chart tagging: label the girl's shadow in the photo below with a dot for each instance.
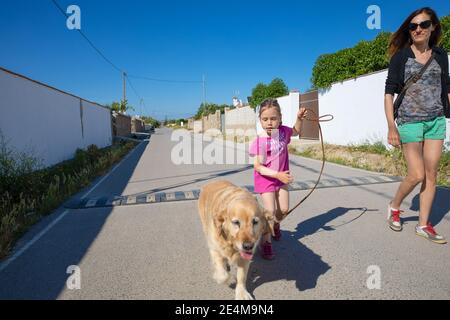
(293, 260)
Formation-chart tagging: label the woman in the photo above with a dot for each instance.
(421, 124)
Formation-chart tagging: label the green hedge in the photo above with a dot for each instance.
(365, 57)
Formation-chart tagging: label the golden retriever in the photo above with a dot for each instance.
(233, 223)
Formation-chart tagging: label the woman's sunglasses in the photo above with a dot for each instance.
(423, 25)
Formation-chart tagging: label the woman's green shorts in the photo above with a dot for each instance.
(423, 130)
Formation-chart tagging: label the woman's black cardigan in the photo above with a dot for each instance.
(396, 74)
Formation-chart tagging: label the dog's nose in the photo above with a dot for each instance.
(247, 246)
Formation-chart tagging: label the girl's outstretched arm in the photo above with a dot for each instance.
(301, 114)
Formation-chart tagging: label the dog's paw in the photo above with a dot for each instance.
(221, 276)
(242, 294)
(231, 281)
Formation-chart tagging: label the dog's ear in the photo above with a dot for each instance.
(268, 218)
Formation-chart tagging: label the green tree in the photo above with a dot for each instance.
(115, 106)
(149, 120)
(210, 108)
(277, 88)
(120, 107)
(124, 106)
(259, 93)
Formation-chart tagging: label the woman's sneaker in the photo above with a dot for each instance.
(429, 233)
(394, 219)
(267, 252)
(276, 231)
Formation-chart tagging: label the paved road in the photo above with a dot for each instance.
(145, 250)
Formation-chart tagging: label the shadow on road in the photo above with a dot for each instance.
(293, 260)
(41, 273)
(219, 172)
(441, 207)
(193, 181)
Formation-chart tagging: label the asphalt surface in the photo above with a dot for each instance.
(329, 247)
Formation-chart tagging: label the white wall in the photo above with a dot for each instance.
(358, 109)
(240, 118)
(47, 123)
(96, 124)
(289, 107)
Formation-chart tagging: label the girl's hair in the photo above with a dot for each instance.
(269, 103)
(401, 38)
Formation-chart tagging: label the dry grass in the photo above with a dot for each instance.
(372, 158)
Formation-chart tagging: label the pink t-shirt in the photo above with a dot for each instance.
(274, 150)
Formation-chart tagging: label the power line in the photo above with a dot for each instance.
(162, 80)
(110, 62)
(87, 39)
(132, 87)
(125, 75)
(141, 100)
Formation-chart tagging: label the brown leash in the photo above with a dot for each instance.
(318, 120)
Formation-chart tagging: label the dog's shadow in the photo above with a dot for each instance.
(294, 260)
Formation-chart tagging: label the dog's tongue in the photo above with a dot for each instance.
(246, 256)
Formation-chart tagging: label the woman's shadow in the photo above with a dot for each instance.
(293, 260)
(439, 210)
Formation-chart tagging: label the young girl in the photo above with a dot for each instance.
(271, 163)
(420, 129)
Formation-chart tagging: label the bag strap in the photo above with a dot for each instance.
(415, 77)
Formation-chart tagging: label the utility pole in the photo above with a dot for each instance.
(204, 90)
(124, 96)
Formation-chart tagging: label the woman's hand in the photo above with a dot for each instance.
(394, 137)
(285, 177)
(302, 113)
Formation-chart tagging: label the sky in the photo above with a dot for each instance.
(234, 44)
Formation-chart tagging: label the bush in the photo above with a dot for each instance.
(93, 152)
(365, 57)
(28, 192)
(81, 158)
